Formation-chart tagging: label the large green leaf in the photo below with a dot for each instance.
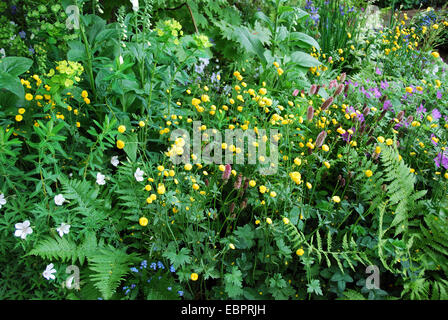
(304, 59)
(15, 66)
(304, 39)
(12, 84)
(77, 51)
(250, 42)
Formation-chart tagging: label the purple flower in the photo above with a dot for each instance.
(387, 104)
(439, 95)
(384, 85)
(436, 115)
(421, 109)
(441, 159)
(22, 34)
(378, 71)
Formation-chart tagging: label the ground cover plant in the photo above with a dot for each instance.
(225, 150)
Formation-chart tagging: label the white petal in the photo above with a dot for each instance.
(18, 233)
(26, 223)
(19, 226)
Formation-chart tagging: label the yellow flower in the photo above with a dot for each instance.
(378, 150)
(29, 96)
(188, 167)
(252, 183)
(21, 110)
(194, 276)
(296, 177)
(325, 148)
(143, 221)
(280, 71)
(381, 139)
(336, 199)
(409, 89)
(369, 173)
(120, 144)
(141, 123)
(232, 246)
(84, 94)
(263, 189)
(78, 124)
(389, 142)
(161, 189)
(435, 54)
(309, 185)
(300, 252)
(121, 128)
(446, 175)
(285, 220)
(297, 161)
(273, 194)
(19, 118)
(268, 221)
(327, 164)
(148, 187)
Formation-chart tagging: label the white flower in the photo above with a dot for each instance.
(134, 5)
(100, 179)
(48, 273)
(2, 200)
(23, 229)
(63, 229)
(139, 174)
(121, 59)
(114, 160)
(59, 199)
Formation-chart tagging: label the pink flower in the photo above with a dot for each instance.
(227, 172)
(295, 92)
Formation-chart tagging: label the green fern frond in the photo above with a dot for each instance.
(110, 266)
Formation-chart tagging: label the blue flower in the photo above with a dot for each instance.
(181, 293)
(153, 266)
(169, 288)
(160, 265)
(172, 269)
(134, 269)
(144, 264)
(132, 286)
(22, 34)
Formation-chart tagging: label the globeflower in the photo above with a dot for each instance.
(336, 199)
(295, 176)
(194, 276)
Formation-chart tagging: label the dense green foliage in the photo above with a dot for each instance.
(105, 195)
